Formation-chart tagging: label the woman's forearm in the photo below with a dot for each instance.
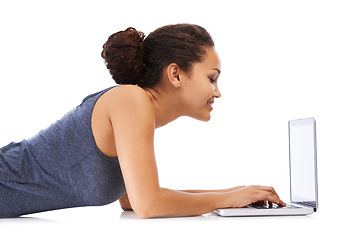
(126, 206)
(179, 203)
(168, 202)
(211, 191)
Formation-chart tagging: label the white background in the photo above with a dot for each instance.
(279, 62)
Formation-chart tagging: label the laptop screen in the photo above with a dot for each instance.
(303, 161)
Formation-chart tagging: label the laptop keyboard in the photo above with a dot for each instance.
(273, 206)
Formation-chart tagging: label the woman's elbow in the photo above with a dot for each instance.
(149, 208)
(145, 211)
(141, 208)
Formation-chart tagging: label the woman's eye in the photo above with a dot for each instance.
(212, 80)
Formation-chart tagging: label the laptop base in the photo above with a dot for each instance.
(250, 211)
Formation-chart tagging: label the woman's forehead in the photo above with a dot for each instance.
(211, 61)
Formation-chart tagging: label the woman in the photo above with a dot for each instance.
(103, 150)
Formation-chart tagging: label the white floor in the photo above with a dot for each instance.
(110, 222)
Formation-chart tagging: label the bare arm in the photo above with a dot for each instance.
(124, 203)
(126, 206)
(217, 190)
(132, 119)
(238, 196)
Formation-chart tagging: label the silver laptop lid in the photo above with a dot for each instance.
(303, 162)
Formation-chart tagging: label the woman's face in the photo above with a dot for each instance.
(200, 86)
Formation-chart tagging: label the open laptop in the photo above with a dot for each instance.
(303, 175)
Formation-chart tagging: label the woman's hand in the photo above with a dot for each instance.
(244, 196)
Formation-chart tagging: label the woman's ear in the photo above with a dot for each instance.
(173, 74)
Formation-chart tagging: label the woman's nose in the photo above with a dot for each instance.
(217, 93)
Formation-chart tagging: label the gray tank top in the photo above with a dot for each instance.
(61, 167)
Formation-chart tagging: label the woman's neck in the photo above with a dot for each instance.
(166, 105)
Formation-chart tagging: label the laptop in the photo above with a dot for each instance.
(303, 176)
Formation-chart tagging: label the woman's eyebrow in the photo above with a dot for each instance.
(219, 71)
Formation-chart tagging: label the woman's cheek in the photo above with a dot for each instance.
(212, 89)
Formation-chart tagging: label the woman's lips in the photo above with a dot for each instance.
(210, 104)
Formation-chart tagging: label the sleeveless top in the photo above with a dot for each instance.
(60, 167)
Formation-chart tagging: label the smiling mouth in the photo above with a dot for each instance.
(210, 104)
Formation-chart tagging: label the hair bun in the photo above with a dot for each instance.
(123, 55)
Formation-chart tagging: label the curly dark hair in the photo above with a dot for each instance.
(133, 59)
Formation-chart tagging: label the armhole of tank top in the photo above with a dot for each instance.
(101, 93)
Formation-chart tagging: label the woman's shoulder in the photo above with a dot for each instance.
(128, 89)
(128, 97)
(128, 94)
